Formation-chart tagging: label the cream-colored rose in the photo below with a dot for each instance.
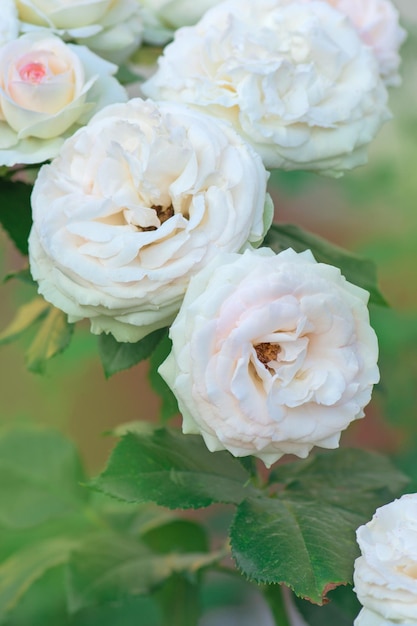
(9, 23)
(377, 22)
(121, 33)
(163, 17)
(111, 28)
(370, 618)
(294, 79)
(136, 203)
(48, 89)
(271, 354)
(386, 573)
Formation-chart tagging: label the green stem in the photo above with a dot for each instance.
(179, 601)
(274, 596)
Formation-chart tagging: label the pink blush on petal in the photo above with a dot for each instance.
(32, 73)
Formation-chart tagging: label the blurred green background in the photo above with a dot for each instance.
(371, 211)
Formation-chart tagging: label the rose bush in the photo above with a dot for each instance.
(377, 22)
(47, 90)
(271, 355)
(294, 79)
(137, 202)
(111, 28)
(386, 573)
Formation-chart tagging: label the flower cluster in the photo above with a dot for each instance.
(57, 67)
(295, 79)
(111, 28)
(153, 210)
(153, 213)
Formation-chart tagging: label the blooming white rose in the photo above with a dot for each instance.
(163, 17)
(377, 22)
(293, 77)
(386, 574)
(47, 90)
(111, 28)
(136, 203)
(271, 354)
(9, 23)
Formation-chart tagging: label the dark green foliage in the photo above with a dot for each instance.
(116, 356)
(361, 272)
(15, 212)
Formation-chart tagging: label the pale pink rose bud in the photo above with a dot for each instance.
(48, 89)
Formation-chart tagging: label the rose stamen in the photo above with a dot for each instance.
(267, 352)
(32, 73)
(163, 214)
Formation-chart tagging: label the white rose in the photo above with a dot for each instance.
(137, 202)
(47, 90)
(377, 22)
(63, 14)
(386, 574)
(271, 355)
(294, 78)
(163, 17)
(111, 28)
(121, 33)
(9, 23)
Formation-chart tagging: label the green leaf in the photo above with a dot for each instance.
(146, 55)
(74, 524)
(125, 76)
(133, 611)
(173, 470)
(109, 567)
(15, 212)
(43, 603)
(364, 476)
(130, 519)
(116, 356)
(40, 473)
(26, 315)
(21, 570)
(358, 271)
(177, 536)
(169, 406)
(342, 608)
(23, 276)
(51, 339)
(304, 535)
